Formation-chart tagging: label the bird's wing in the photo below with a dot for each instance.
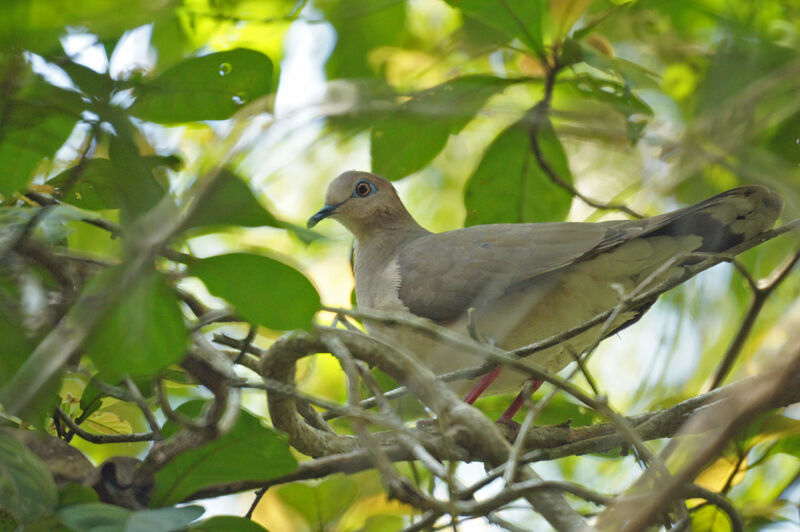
(442, 275)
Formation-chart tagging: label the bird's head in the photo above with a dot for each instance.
(362, 201)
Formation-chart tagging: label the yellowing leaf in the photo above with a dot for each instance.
(109, 423)
(716, 476)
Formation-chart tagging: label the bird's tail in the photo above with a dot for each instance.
(722, 221)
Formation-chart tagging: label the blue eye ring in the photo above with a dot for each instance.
(363, 189)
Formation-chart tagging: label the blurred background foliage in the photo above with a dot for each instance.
(109, 109)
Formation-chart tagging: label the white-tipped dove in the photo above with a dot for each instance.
(523, 282)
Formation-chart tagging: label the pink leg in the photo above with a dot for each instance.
(518, 401)
(481, 385)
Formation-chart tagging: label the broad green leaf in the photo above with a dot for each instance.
(360, 29)
(230, 202)
(88, 186)
(408, 139)
(521, 19)
(15, 346)
(136, 188)
(617, 96)
(23, 148)
(261, 289)
(211, 87)
(710, 518)
(38, 118)
(323, 502)
(76, 494)
(90, 82)
(101, 517)
(37, 24)
(227, 523)
(27, 490)
(250, 451)
(94, 517)
(509, 186)
(634, 75)
(143, 333)
(163, 519)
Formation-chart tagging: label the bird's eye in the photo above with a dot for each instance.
(363, 188)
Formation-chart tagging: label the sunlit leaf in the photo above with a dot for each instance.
(521, 19)
(410, 138)
(261, 289)
(509, 185)
(250, 451)
(710, 518)
(725, 470)
(211, 87)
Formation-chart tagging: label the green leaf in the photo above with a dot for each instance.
(412, 136)
(136, 188)
(89, 81)
(163, 519)
(227, 523)
(76, 494)
(23, 148)
(509, 186)
(15, 347)
(100, 517)
(231, 202)
(521, 19)
(636, 76)
(88, 186)
(323, 502)
(250, 451)
(27, 490)
(710, 518)
(360, 29)
(261, 289)
(211, 87)
(143, 333)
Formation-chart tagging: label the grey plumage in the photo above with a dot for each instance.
(524, 282)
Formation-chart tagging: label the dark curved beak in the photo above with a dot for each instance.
(321, 214)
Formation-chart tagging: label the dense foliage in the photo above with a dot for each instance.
(153, 193)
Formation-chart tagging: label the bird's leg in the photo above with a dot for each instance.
(481, 385)
(519, 400)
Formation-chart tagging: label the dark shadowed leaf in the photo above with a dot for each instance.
(250, 451)
(90, 82)
(27, 490)
(137, 189)
(521, 19)
(211, 87)
(230, 202)
(509, 186)
(408, 139)
(143, 333)
(261, 289)
(227, 523)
